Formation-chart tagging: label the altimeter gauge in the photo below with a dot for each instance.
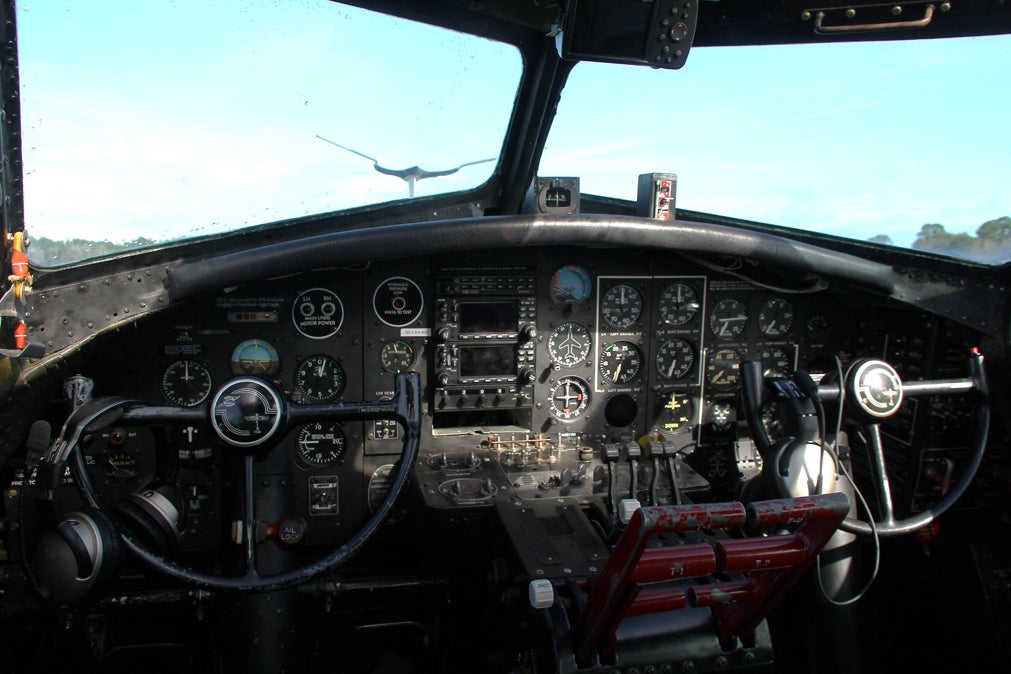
(320, 378)
(186, 383)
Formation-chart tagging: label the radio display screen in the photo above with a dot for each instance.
(494, 317)
(487, 361)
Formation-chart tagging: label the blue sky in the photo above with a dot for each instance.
(159, 122)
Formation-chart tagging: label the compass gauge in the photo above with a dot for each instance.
(570, 396)
(569, 344)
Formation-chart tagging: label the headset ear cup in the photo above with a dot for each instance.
(153, 517)
(79, 556)
(113, 547)
(802, 468)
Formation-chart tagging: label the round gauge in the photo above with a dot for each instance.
(729, 318)
(571, 285)
(321, 443)
(569, 344)
(677, 412)
(678, 304)
(379, 485)
(621, 306)
(775, 318)
(620, 362)
(317, 313)
(817, 326)
(320, 378)
(257, 357)
(723, 369)
(121, 465)
(776, 362)
(398, 301)
(570, 396)
(186, 383)
(674, 358)
(396, 356)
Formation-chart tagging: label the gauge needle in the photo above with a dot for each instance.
(617, 371)
(322, 368)
(717, 377)
(670, 370)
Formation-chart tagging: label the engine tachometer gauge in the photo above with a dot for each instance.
(570, 396)
(321, 443)
(621, 306)
(257, 357)
(678, 304)
(186, 383)
(674, 358)
(396, 356)
(320, 378)
(620, 362)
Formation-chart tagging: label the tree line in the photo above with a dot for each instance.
(991, 242)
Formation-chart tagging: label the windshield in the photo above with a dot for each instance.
(222, 115)
(904, 143)
(169, 119)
